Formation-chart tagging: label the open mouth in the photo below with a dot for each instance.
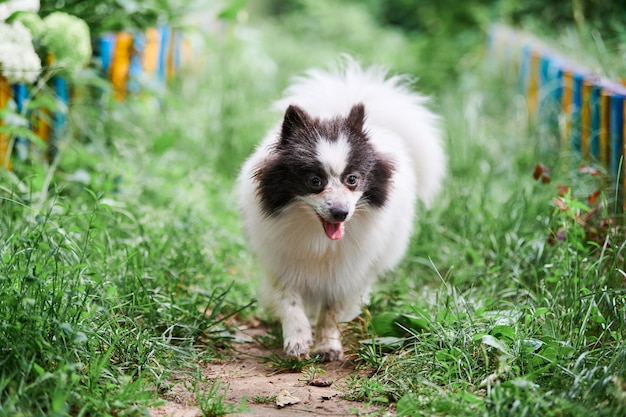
(334, 230)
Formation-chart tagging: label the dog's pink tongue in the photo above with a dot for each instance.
(334, 231)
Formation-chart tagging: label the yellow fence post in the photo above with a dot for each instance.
(120, 64)
(566, 106)
(5, 138)
(533, 84)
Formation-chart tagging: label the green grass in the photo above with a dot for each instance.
(112, 283)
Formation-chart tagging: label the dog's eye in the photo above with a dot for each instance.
(352, 180)
(316, 182)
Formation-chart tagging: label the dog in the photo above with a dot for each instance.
(328, 199)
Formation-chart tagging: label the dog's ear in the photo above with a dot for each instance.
(356, 118)
(295, 119)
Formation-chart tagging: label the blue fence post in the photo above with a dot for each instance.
(59, 118)
(616, 132)
(107, 46)
(595, 111)
(20, 95)
(577, 103)
(162, 68)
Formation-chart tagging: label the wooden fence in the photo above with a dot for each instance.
(129, 60)
(585, 110)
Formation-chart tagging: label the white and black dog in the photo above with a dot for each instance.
(328, 198)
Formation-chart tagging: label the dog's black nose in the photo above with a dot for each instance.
(339, 214)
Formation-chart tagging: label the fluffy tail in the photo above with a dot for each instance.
(389, 102)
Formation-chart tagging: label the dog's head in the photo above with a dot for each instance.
(329, 164)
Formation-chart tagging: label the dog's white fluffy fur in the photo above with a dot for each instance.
(310, 279)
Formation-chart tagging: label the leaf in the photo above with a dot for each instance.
(387, 341)
(38, 369)
(503, 332)
(23, 132)
(67, 328)
(522, 383)
(43, 101)
(542, 173)
(385, 326)
(593, 197)
(495, 343)
(584, 169)
(231, 11)
(563, 190)
(284, 398)
(320, 382)
(531, 345)
(409, 405)
(80, 337)
(412, 323)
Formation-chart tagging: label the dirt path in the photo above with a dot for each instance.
(247, 376)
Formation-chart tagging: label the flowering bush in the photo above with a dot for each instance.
(67, 39)
(19, 62)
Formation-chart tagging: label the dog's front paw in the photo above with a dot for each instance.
(328, 351)
(297, 347)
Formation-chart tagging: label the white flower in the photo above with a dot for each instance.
(18, 60)
(9, 7)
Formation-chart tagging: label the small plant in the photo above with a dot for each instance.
(278, 364)
(369, 389)
(212, 398)
(311, 376)
(583, 223)
(261, 399)
(312, 372)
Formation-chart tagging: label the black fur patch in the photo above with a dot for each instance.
(292, 164)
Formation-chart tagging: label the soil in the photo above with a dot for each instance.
(246, 375)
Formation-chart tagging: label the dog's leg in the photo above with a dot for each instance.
(328, 336)
(297, 335)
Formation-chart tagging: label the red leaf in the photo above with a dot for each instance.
(607, 223)
(593, 197)
(541, 172)
(560, 204)
(584, 169)
(563, 190)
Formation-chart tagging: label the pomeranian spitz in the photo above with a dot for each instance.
(328, 199)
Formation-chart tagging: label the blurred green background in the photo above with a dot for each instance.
(125, 270)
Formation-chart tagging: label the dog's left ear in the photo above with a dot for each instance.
(356, 118)
(295, 118)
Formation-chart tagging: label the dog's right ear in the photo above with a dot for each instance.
(295, 119)
(356, 118)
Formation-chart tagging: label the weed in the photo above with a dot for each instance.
(259, 399)
(369, 389)
(211, 398)
(278, 364)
